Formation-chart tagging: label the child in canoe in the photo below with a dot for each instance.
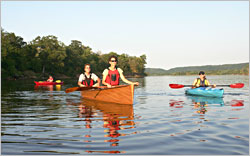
(50, 79)
(202, 81)
(112, 74)
(88, 79)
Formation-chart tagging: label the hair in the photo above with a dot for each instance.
(87, 64)
(113, 56)
(201, 72)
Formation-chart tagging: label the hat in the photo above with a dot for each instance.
(201, 73)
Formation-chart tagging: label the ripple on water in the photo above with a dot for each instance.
(161, 121)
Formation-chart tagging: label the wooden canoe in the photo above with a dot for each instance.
(123, 94)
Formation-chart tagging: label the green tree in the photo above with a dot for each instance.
(12, 54)
(50, 52)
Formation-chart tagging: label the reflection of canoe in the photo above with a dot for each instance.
(206, 100)
(119, 112)
(47, 83)
(122, 94)
(205, 91)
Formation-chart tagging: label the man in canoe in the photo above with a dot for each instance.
(88, 79)
(202, 81)
(112, 74)
(50, 79)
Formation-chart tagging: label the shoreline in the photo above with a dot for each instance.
(127, 76)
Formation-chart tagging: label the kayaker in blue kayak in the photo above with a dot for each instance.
(202, 81)
(88, 79)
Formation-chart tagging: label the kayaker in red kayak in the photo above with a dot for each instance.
(88, 79)
(112, 74)
(202, 81)
(50, 79)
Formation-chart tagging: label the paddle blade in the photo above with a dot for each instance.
(176, 86)
(237, 85)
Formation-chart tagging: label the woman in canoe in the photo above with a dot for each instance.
(88, 79)
(50, 79)
(202, 81)
(112, 74)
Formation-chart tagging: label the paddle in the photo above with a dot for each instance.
(79, 89)
(235, 85)
(87, 88)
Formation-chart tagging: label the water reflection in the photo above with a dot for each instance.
(201, 103)
(176, 104)
(116, 119)
(237, 103)
(47, 87)
(43, 87)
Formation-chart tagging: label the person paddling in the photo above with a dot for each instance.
(202, 81)
(88, 79)
(112, 74)
(50, 79)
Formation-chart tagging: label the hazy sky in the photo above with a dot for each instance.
(171, 34)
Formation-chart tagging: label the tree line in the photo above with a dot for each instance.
(47, 55)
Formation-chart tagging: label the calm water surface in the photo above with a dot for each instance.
(46, 120)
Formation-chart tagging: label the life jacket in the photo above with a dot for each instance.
(203, 83)
(88, 82)
(113, 77)
(50, 79)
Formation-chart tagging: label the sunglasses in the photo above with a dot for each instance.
(112, 60)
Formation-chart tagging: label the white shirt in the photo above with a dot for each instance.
(106, 71)
(93, 76)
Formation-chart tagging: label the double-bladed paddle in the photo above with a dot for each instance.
(235, 85)
(79, 89)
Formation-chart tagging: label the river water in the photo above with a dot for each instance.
(45, 120)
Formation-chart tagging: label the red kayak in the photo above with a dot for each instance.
(47, 83)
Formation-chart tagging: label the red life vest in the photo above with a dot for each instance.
(113, 77)
(50, 79)
(88, 82)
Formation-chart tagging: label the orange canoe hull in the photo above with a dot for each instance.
(123, 94)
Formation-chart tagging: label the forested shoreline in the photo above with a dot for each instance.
(225, 69)
(47, 55)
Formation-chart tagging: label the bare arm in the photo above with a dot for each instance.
(80, 81)
(103, 80)
(194, 83)
(98, 83)
(127, 81)
(208, 83)
(80, 84)
(214, 85)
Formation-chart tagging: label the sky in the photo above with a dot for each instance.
(171, 34)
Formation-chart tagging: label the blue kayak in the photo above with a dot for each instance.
(205, 91)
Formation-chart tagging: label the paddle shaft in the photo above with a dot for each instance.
(208, 86)
(235, 85)
(79, 89)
